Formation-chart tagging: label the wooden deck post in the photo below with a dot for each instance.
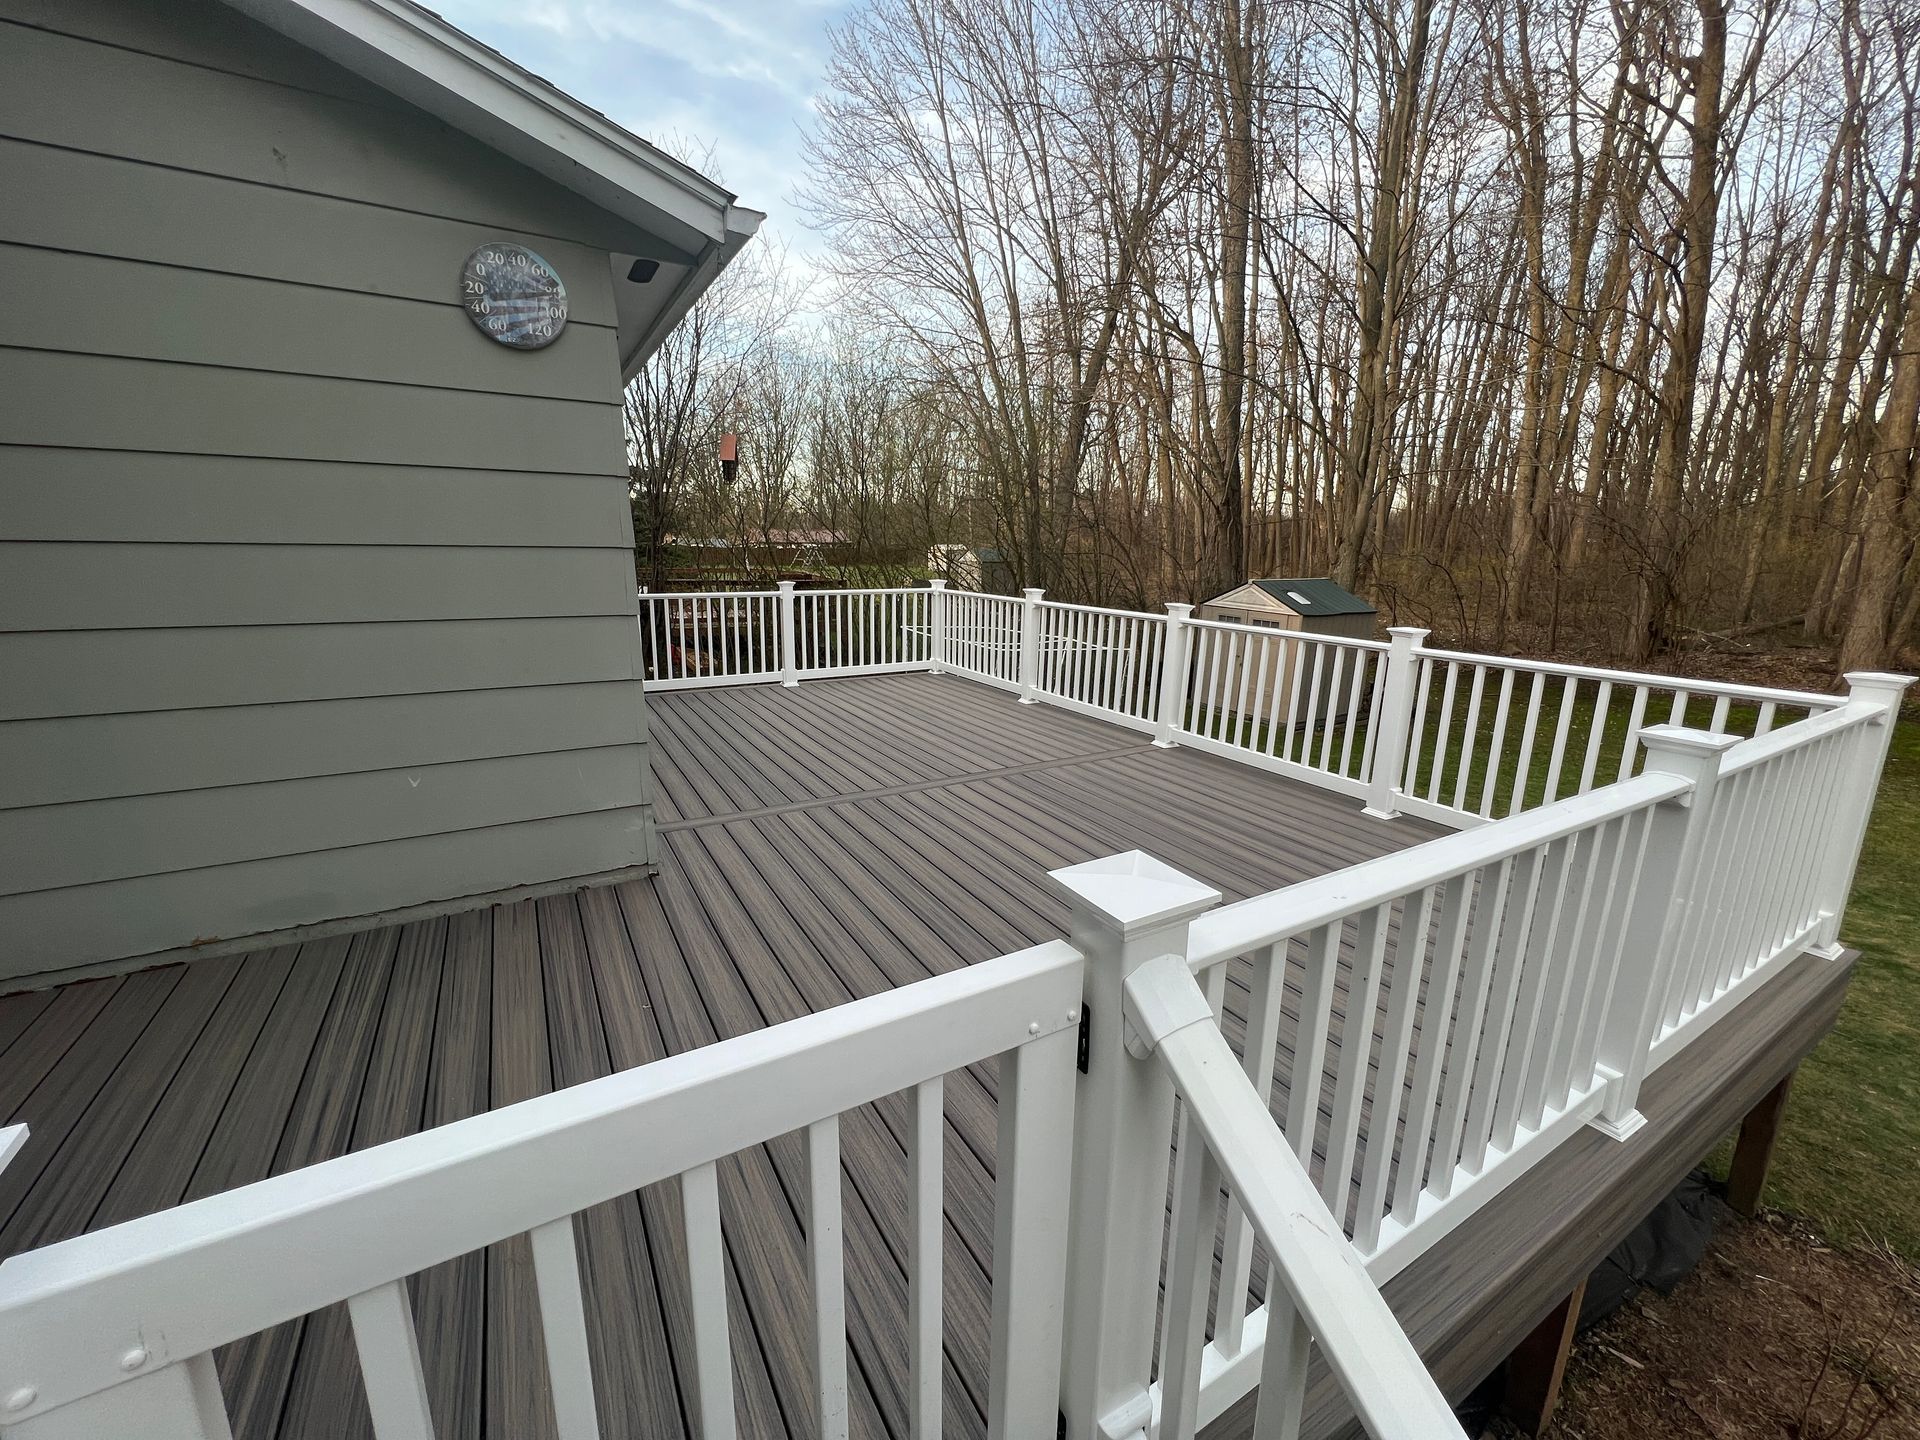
(1753, 1151)
(1539, 1363)
(1396, 721)
(1843, 858)
(1030, 646)
(1127, 909)
(1173, 676)
(1676, 827)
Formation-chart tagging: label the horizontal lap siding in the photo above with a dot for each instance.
(314, 603)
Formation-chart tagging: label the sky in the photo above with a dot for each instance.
(734, 75)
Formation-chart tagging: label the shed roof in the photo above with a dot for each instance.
(683, 220)
(1315, 597)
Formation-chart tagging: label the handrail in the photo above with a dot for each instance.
(1324, 1279)
(1281, 914)
(1757, 694)
(184, 1281)
(1762, 748)
(1272, 632)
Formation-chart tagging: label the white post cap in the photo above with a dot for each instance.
(1133, 891)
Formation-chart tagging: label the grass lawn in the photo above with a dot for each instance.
(1849, 1154)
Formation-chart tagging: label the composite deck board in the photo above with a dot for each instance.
(817, 844)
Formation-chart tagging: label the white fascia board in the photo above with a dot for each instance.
(418, 56)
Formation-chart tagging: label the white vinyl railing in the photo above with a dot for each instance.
(1787, 816)
(110, 1336)
(1101, 662)
(1301, 704)
(1447, 735)
(1464, 1007)
(1490, 737)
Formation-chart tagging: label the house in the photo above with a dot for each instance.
(888, 1023)
(317, 598)
(972, 567)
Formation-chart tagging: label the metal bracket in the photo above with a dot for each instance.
(1081, 1056)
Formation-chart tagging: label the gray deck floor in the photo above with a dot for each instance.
(818, 844)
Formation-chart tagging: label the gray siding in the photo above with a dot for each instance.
(314, 602)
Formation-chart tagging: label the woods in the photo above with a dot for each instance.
(1565, 324)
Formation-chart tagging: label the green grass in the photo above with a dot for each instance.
(1849, 1154)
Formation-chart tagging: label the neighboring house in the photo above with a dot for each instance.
(317, 601)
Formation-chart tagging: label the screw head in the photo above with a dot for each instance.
(1073, 1017)
(134, 1358)
(21, 1399)
(1034, 1028)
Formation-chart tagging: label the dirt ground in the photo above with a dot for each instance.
(1776, 1336)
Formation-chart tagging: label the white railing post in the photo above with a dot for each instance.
(937, 626)
(1653, 925)
(1396, 721)
(1856, 801)
(1030, 646)
(789, 653)
(1127, 909)
(1173, 676)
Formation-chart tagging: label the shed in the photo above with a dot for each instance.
(1309, 606)
(317, 600)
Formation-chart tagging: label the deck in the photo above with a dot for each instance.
(817, 844)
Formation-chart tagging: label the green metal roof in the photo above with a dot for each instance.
(1315, 597)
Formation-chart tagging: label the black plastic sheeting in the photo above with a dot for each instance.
(1661, 1252)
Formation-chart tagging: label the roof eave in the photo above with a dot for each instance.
(416, 55)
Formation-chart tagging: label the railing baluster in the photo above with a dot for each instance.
(1437, 777)
(1469, 733)
(1596, 733)
(1350, 1067)
(1196, 1209)
(1456, 1087)
(1396, 1043)
(1634, 717)
(1536, 967)
(1264, 1000)
(1333, 707)
(1296, 665)
(1242, 731)
(1496, 746)
(1314, 688)
(1417, 737)
(1517, 801)
(563, 1320)
(1436, 1019)
(1516, 928)
(707, 1285)
(389, 1349)
(1569, 694)
(926, 1143)
(825, 1265)
(1353, 714)
(1562, 963)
